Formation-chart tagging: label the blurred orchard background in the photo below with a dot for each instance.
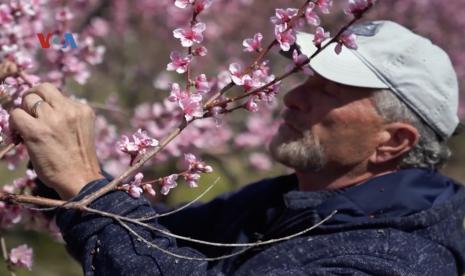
(130, 84)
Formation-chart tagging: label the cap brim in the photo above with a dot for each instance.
(345, 68)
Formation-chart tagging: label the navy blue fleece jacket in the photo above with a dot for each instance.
(405, 223)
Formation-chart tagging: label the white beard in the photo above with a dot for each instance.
(300, 151)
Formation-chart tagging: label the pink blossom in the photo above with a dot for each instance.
(177, 94)
(141, 142)
(260, 129)
(223, 79)
(178, 63)
(235, 70)
(9, 214)
(347, 39)
(31, 174)
(137, 179)
(200, 51)
(5, 15)
(320, 36)
(253, 44)
(94, 55)
(168, 183)
(356, 7)
(298, 60)
(286, 39)
(196, 165)
(182, 4)
(311, 16)
(134, 188)
(23, 8)
(149, 189)
(162, 81)
(324, 5)
(251, 105)
(201, 5)
(190, 35)
(260, 161)
(63, 15)
(283, 17)
(76, 68)
(201, 84)
(190, 158)
(98, 27)
(192, 106)
(135, 191)
(192, 179)
(249, 82)
(21, 256)
(55, 77)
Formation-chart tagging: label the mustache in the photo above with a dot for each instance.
(292, 118)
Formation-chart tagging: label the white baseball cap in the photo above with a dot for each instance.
(391, 56)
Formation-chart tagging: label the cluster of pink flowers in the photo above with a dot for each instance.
(299, 59)
(21, 256)
(259, 77)
(11, 214)
(192, 175)
(160, 118)
(139, 144)
(135, 188)
(285, 32)
(190, 103)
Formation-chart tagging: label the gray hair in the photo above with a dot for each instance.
(430, 151)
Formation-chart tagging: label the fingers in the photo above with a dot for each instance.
(32, 106)
(23, 123)
(49, 93)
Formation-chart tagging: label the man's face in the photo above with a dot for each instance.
(326, 125)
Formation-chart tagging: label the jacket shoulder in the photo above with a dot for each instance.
(371, 251)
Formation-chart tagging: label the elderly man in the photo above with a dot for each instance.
(365, 136)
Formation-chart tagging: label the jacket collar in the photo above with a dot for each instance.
(395, 194)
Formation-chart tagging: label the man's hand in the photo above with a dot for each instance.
(59, 136)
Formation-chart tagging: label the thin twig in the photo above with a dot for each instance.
(5, 256)
(4, 249)
(27, 199)
(151, 244)
(182, 207)
(6, 150)
(169, 234)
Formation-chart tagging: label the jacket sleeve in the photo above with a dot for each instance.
(104, 247)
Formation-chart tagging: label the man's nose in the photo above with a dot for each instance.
(296, 99)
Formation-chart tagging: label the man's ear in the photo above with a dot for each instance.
(395, 139)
